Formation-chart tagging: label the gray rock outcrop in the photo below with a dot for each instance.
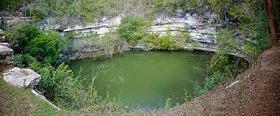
(202, 29)
(5, 54)
(201, 26)
(21, 77)
(2, 36)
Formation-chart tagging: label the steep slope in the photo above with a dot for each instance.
(22, 102)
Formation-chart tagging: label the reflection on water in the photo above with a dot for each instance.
(144, 79)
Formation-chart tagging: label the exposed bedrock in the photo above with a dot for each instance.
(201, 26)
(6, 53)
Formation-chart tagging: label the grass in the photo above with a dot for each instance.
(21, 101)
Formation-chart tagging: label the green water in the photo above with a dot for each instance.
(145, 79)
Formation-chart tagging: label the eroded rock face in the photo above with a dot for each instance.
(202, 27)
(5, 54)
(2, 37)
(21, 77)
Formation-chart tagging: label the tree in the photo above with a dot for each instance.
(9, 4)
(132, 29)
(21, 36)
(45, 47)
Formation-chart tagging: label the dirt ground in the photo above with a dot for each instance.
(3, 104)
(254, 93)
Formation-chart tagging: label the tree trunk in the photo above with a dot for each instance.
(271, 19)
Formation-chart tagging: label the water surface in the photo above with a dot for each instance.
(145, 79)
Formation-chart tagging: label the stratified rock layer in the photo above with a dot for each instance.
(202, 29)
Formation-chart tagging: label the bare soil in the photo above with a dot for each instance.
(3, 104)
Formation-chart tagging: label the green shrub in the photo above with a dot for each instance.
(37, 15)
(168, 103)
(225, 40)
(9, 4)
(165, 42)
(65, 90)
(186, 36)
(132, 29)
(20, 37)
(251, 36)
(214, 79)
(223, 67)
(193, 4)
(208, 84)
(58, 84)
(45, 47)
(165, 6)
(23, 60)
(219, 61)
(89, 101)
(150, 39)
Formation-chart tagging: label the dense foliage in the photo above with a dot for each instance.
(250, 37)
(132, 29)
(85, 11)
(135, 31)
(44, 46)
(39, 50)
(57, 84)
(9, 4)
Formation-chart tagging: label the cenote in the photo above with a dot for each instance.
(145, 79)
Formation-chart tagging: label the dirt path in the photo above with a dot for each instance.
(254, 93)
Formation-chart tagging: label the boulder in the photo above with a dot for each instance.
(21, 77)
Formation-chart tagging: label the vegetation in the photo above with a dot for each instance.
(45, 46)
(132, 29)
(252, 32)
(86, 11)
(168, 103)
(223, 67)
(9, 4)
(19, 101)
(109, 44)
(58, 84)
(167, 41)
(250, 37)
(40, 49)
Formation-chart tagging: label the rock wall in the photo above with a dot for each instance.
(201, 26)
(88, 48)
(6, 53)
(12, 21)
